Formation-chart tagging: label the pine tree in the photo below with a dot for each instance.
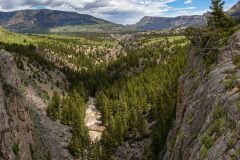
(80, 139)
(218, 18)
(53, 110)
(103, 103)
(65, 116)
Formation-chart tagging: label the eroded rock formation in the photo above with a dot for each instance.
(208, 116)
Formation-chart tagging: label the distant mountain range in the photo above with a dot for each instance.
(61, 21)
(235, 11)
(155, 23)
(43, 20)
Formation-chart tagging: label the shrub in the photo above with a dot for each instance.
(19, 63)
(217, 113)
(180, 136)
(44, 94)
(33, 155)
(192, 73)
(236, 60)
(170, 146)
(15, 148)
(217, 126)
(7, 88)
(203, 152)
(210, 58)
(230, 81)
(207, 140)
(189, 118)
(238, 150)
(238, 105)
(230, 142)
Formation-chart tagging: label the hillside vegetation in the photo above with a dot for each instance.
(133, 84)
(156, 93)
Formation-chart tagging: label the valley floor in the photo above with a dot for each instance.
(93, 120)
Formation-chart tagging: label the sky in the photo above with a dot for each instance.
(118, 11)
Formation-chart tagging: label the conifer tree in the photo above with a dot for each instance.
(53, 110)
(218, 18)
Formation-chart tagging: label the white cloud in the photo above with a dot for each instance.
(188, 2)
(120, 11)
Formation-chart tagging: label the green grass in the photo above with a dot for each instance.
(171, 39)
(87, 28)
(97, 28)
(10, 37)
(26, 39)
(82, 52)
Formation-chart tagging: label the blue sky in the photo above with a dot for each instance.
(119, 11)
(190, 7)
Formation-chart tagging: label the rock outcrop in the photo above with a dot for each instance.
(25, 131)
(207, 122)
(16, 126)
(133, 149)
(52, 138)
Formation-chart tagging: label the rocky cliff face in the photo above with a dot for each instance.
(25, 131)
(16, 127)
(154, 23)
(51, 138)
(208, 112)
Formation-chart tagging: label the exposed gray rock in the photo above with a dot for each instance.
(132, 149)
(156, 23)
(25, 130)
(16, 127)
(53, 138)
(208, 116)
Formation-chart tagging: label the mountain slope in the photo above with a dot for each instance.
(154, 23)
(42, 20)
(235, 11)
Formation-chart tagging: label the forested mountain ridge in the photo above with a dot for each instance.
(44, 20)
